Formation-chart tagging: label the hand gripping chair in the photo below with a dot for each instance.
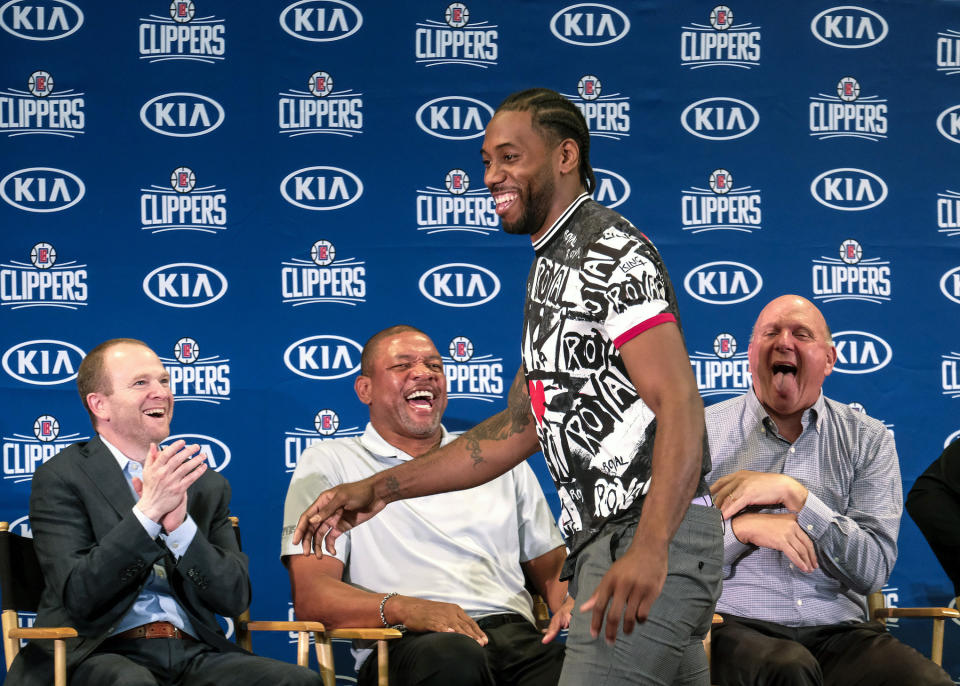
(22, 583)
(321, 635)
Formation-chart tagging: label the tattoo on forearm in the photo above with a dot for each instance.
(501, 426)
(392, 484)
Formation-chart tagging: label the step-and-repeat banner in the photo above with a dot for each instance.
(255, 188)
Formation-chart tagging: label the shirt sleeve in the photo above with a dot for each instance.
(625, 284)
(859, 546)
(538, 533)
(312, 477)
(181, 538)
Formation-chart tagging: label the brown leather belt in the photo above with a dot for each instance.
(155, 630)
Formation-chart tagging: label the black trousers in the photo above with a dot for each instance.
(169, 661)
(514, 655)
(750, 652)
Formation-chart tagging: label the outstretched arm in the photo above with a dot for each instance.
(481, 454)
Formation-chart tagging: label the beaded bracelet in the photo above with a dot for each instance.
(398, 627)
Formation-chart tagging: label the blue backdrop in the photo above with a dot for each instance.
(255, 188)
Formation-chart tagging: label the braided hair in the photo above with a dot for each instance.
(555, 118)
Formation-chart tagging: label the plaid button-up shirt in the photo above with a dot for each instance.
(848, 462)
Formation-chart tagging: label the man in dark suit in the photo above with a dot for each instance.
(136, 548)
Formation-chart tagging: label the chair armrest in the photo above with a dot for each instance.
(930, 612)
(284, 626)
(367, 634)
(43, 632)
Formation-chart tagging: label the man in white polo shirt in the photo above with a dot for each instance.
(449, 568)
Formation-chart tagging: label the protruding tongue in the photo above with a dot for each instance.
(784, 379)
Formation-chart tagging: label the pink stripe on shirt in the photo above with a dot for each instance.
(632, 332)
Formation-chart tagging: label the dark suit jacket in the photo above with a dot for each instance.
(96, 557)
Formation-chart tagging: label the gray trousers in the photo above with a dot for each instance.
(666, 649)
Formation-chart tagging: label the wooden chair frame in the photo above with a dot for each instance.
(878, 611)
(13, 633)
(321, 635)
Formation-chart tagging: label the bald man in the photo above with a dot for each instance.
(810, 492)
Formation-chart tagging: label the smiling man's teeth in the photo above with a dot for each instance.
(504, 199)
(417, 395)
(158, 412)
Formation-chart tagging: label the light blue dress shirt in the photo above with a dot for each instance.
(155, 602)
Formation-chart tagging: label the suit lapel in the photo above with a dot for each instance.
(107, 477)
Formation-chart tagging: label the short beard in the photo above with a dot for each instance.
(535, 211)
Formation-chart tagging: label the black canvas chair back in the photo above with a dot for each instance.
(21, 579)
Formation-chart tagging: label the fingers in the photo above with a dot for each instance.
(468, 627)
(598, 603)
(552, 630)
(137, 486)
(800, 550)
(306, 531)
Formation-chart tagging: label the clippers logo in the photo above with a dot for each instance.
(721, 206)
(724, 371)
(456, 207)
(185, 284)
(183, 206)
(321, 279)
(589, 24)
(41, 110)
(849, 26)
(42, 189)
(950, 376)
(950, 284)
(721, 43)
(320, 109)
(948, 213)
(848, 189)
(323, 357)
(859, 352)
(608, 116)
(719, 119)
(454, 117)
(459, 284)
(723, 283)
(326, 424)
(851, 277)
(321, 21)
(23, 453)
(848, 114)
(40, 19)
(213, 450)
(456, 40)
(612, 189)
(43, 362)
(948, 52)
(197, 379)
(42, 282)
(948, 124)
(182, 115)
(181, 35)
(321, 188)
(471, 377)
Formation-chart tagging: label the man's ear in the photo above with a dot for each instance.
(831, 360)
(361, 386)
(569, 156)
(97, 403)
